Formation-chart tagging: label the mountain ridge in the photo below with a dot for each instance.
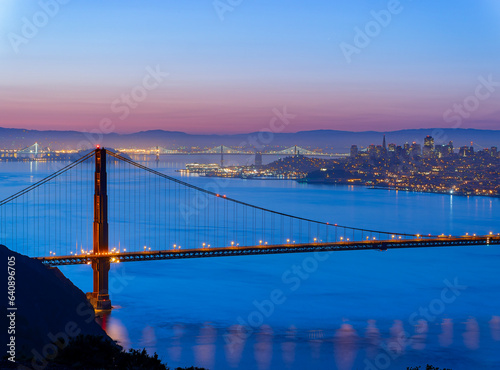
(13, 138)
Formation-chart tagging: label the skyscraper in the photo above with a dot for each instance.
(258, 159)
(354, 151)
(428, 146)
(429, 142)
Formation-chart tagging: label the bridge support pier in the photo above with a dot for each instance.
(99, 298)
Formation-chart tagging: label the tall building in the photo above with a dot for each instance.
(258, 159)
(465, 151)
(415, 149)
(428, 148)
(494, 151)
(354, 151)
(383, 144)
(372, 150)
(399, 151)
(444, 150)
(429, 142)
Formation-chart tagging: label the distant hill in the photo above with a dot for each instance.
(332, 140)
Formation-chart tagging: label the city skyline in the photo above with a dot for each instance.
(65, 67)
(176, 176)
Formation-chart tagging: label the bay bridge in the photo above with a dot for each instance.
(105, 208)
(222, 149)
(32, 151)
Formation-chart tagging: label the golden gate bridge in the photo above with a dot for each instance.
(104, 208)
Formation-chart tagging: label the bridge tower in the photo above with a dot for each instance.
(222, 155)
(100, 265)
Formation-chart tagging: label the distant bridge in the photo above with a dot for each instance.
(222, 149)
(34, 151)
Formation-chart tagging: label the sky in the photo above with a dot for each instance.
(227, 66)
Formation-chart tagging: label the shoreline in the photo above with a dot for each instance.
(409, 190)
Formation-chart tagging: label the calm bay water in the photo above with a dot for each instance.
(344, 310)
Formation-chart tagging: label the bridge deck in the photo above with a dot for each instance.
(273, 249)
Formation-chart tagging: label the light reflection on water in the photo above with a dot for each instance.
(342, 348)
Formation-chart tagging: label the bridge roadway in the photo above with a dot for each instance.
(170, 254)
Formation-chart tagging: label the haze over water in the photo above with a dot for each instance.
(340, 312)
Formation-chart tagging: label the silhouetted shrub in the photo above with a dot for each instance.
(94, 352)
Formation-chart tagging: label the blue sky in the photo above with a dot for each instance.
(227, 75)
